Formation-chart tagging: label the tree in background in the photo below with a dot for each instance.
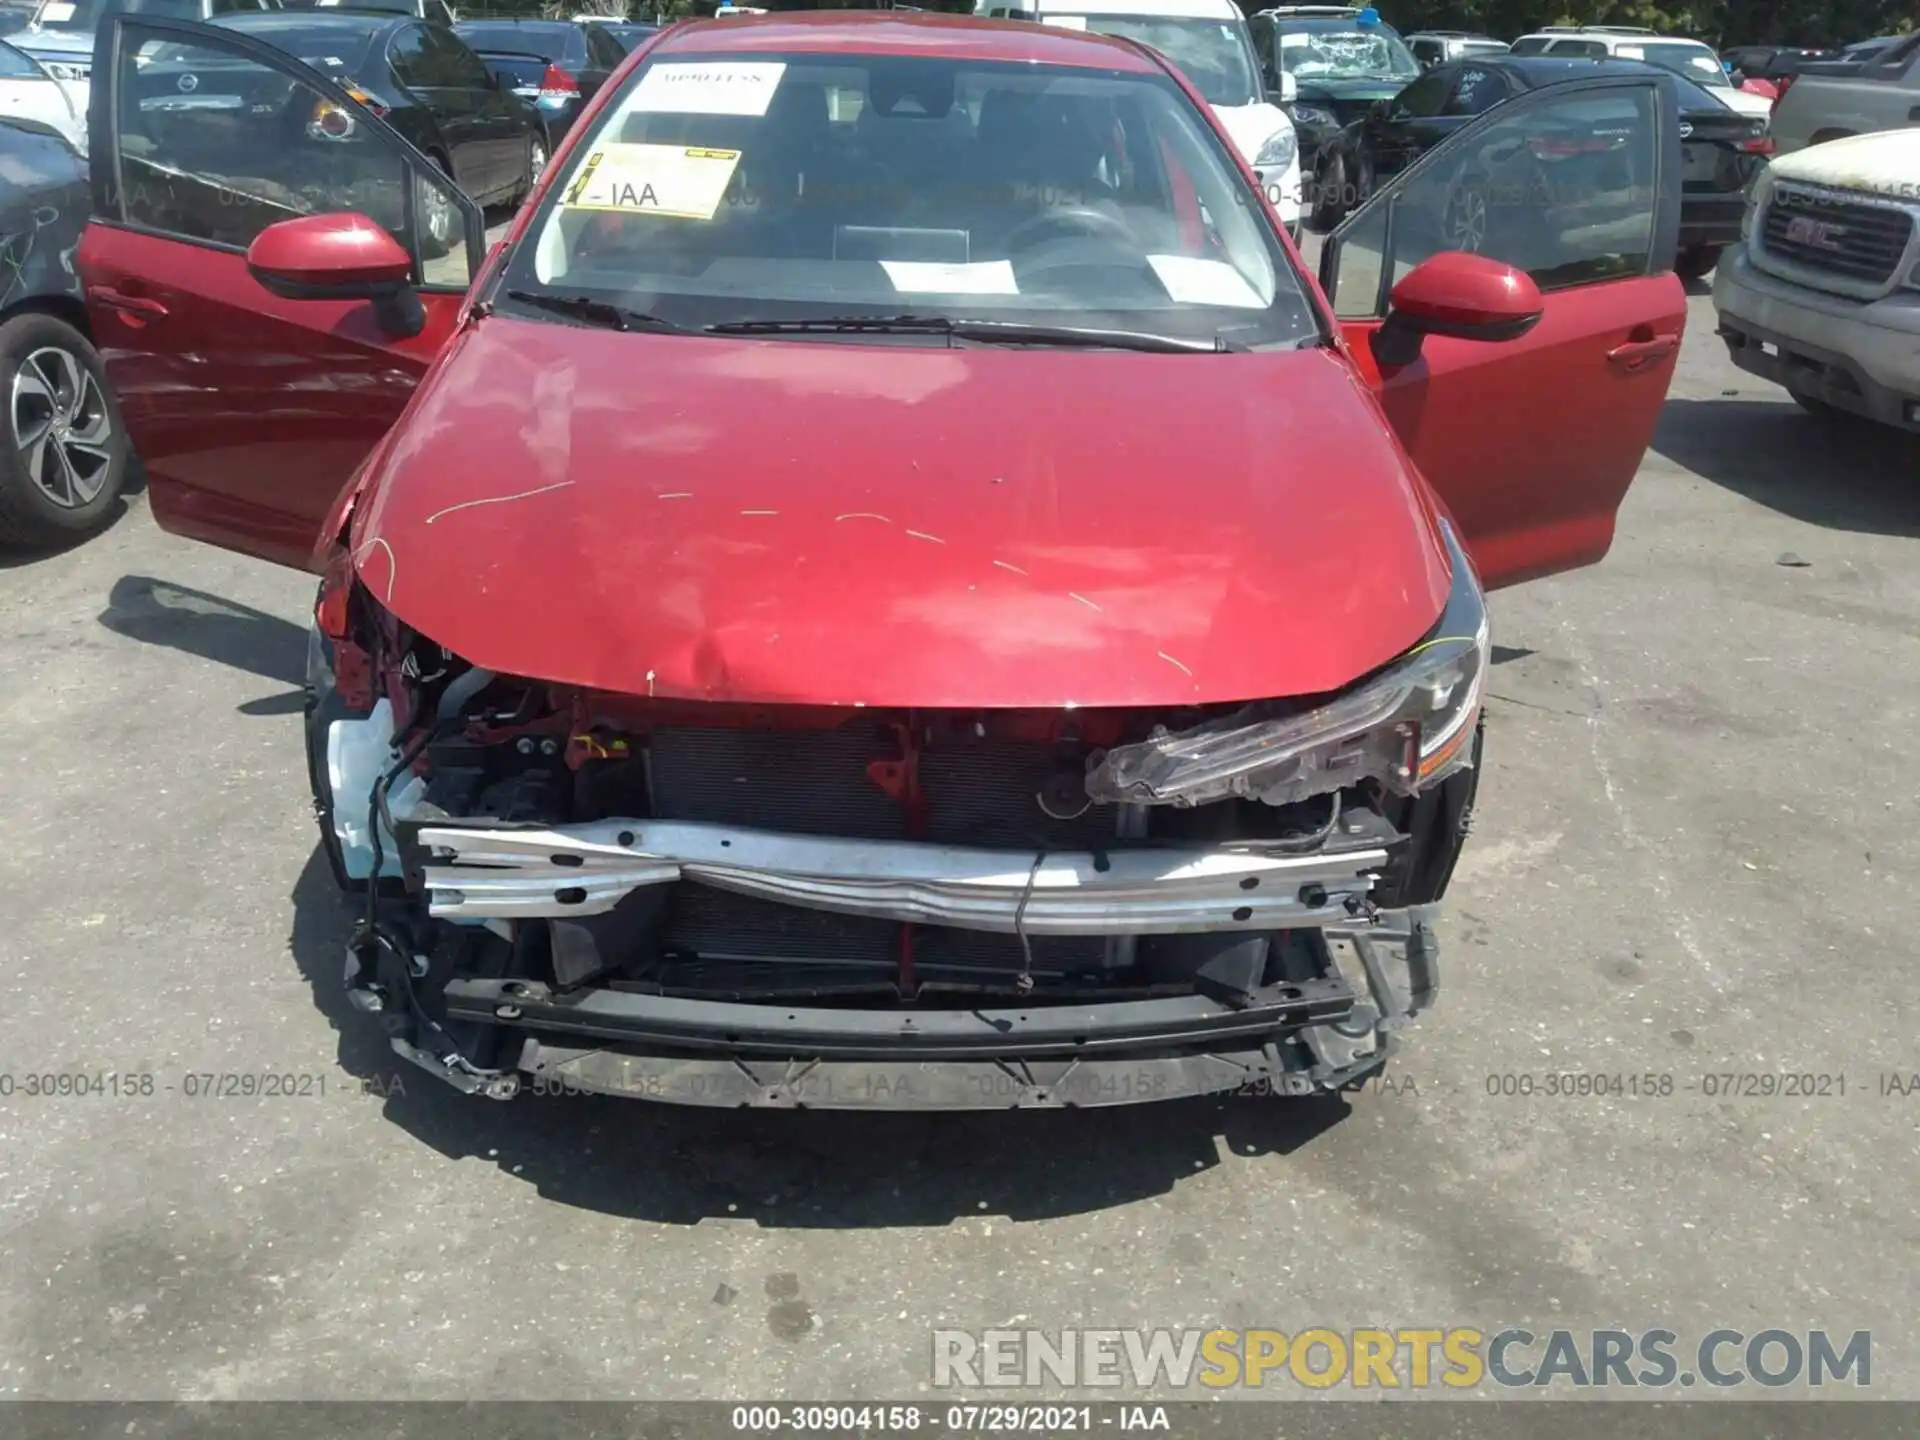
(1720, 22)
(1723, 22)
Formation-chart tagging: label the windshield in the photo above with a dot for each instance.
(1213, 54)
(1697, 62)
(1339, 51)
(808, 186)
(84, 15)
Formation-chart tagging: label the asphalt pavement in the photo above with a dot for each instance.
(1695, 858)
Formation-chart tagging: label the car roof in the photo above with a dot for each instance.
(1179, 9)
(882, 32)
(1618, 37)
(1346, 24)
(1539, 71)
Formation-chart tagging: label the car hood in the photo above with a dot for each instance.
(1744, 101)
(64, 43)
(1885, 162)
(825, 523)
(1351, 89)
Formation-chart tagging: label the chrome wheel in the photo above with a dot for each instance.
(1467, 221)
(62, 427)
(536, 161)
(437, 214)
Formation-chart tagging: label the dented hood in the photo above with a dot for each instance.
(824, 523)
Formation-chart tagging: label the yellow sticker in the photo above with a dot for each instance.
(673, 180)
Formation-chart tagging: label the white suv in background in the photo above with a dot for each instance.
(1207, 41)
(1694, 59)
(1823, 296)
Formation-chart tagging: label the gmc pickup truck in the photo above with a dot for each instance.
(1823, 294)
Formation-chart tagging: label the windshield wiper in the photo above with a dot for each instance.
(992, 332)
(594, 312)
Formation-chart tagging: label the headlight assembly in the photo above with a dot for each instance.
(1314, 115)
(1279, 149)
(1408, 727)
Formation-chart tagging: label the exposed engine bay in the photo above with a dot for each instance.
(789, 905)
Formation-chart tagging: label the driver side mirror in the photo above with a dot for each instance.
(1461, 296)
(343, 256)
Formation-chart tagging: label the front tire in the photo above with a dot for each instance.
(441, 226)
(1329, 201)
(536, 165)
(64, 459)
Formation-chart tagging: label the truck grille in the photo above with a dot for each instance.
(1820, 231)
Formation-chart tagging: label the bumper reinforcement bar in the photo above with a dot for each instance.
(479, 872)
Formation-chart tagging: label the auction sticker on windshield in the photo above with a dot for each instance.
(672, 180)
(1204, 282)
(56, 14)
(987, 277)
(708, 88)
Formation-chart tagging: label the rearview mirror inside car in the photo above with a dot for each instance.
(1462, 296)
(343, 256)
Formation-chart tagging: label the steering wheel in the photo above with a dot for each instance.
(1076, 221)
(1076, 238)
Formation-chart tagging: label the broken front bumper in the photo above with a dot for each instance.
(1359, 972)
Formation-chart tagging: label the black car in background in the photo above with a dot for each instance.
(425, 83)
(64, 457)
(1436, 47)
(630, 33)
(437, 11)
(1342, 61)
(554, 65)
(1721, 150)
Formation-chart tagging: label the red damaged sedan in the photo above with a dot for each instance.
(891, 585)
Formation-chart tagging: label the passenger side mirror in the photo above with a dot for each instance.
(1462, 296)
(342, 256)
(1289, 88)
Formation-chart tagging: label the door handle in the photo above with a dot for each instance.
(1638, 354)
(140, 305)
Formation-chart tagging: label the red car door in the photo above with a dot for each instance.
(1531, 443)
(250, 412)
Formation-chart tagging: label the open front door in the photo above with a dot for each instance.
(1532, 443)
(251, 412)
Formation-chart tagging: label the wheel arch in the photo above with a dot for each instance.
(69, 309)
